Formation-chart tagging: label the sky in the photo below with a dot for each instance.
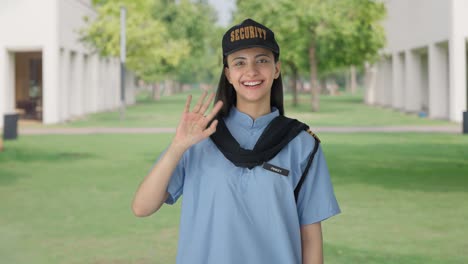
(224, 8)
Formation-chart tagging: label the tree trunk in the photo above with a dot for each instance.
(353, 80)
(156, 92)
(294, 88)
(314, 87)
(168, 87)
(293, 84)
(178, 86)
(348, 82)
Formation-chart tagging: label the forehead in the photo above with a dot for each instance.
(250, 52)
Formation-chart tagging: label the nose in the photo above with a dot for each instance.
(252, 69)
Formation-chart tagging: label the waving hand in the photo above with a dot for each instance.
(193, 124)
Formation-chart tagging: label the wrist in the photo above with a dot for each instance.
(177, 149)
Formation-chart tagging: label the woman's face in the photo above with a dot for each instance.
(252, 71)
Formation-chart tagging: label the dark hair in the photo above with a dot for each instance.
(227, 94)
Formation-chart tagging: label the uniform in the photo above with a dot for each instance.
(234, 215)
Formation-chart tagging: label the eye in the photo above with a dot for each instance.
(239, 63)
(263, 60)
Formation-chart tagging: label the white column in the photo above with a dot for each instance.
(7, 82)
(115, 83)
(370, 83)
(108, 82)
(398, 81)
(424, 81)
(101, 90)
(413, 89)
(72, 85)
(438, 81)
(3, 82)
(94, 81)
(51, 84)
(379, 87)
(78, 85)
(457, 61)
(129, 88)
(105, 88)
(457, 75)
(387, 82)
(86, 81)
(64, 104)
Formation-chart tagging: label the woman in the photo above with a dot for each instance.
(255, 183)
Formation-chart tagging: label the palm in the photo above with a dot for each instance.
(192, 127)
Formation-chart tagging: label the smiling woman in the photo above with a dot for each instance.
(251, 72)
(255, 183)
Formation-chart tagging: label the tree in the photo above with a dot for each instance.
(322, 35)
(166, 39)
(150, 50)
(194, 22)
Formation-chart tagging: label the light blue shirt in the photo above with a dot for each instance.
(233, 215)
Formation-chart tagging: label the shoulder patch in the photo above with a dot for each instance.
(314, 135)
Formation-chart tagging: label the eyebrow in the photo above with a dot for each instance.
(256, 56)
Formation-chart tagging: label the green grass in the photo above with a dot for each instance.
(343, 110)
(66, 199)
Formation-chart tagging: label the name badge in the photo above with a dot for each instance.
(275, 169)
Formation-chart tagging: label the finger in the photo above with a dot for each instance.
(196, 108)
(207, 104)
(215, 110)
(210, 130)
(187, 103)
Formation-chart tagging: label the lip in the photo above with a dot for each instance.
(252, 84)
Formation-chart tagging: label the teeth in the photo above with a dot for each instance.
(252, 83)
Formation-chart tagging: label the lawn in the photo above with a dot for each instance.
(66, 199)
(344, 110)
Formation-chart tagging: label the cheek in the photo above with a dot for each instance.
(227, 75)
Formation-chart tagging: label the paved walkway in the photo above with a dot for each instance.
(143, 130)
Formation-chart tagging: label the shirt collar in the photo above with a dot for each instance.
(237, 118)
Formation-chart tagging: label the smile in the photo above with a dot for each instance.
(251, 84)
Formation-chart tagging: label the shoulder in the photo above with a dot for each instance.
(307, 136)
(304, 143)
(307, 139)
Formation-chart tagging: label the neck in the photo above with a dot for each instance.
(254, 109)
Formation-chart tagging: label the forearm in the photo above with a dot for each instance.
(312, 244)
(152, 192)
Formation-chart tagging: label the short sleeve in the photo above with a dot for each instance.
(176, 183)
(316, 201)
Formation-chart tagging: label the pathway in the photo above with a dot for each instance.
(147, 130)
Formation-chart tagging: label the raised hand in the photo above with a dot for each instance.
(192, 127)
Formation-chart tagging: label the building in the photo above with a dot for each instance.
(424, 65)
(46, 73)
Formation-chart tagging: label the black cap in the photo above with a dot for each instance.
(249, 34)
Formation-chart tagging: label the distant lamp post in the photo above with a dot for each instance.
(123, 13)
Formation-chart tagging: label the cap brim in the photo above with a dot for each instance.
(251, 46)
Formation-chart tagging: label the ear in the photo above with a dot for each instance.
(277, 69)
(227, 73)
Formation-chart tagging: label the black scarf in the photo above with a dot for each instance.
(276, 135)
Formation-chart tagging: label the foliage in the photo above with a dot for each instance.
(165, 39)
(194, 22)
(319, 36)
